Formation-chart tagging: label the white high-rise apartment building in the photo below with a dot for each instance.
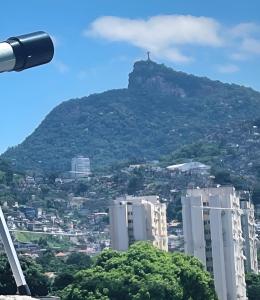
(138, 219)
(249, 235)
(80, 167)
(213, 233)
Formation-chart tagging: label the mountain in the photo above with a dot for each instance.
(159, 112)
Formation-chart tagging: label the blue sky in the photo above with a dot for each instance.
(97, 42)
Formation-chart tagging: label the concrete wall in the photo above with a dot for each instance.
(119, 227)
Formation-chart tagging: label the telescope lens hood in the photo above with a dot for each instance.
(31, 50)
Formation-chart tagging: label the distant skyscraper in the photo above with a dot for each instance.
(138, 219)
(80, 167)
(213, 233)
(249, 235)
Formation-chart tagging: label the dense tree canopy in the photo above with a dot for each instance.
(79, 260)
(253, 286)
(73, 263)
(6, 173)
(143, 272)
(36, 280)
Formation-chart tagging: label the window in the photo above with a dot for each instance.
(208, 243)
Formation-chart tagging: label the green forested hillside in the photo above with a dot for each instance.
(160, 111)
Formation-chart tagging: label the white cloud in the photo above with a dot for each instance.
(173, 54)
(168, 36)
(248, 49)
(239, 56)
(251, 45)
(162, 35)
(246, 41)
(244, 30)
(228, 69)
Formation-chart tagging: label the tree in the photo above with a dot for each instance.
(51, 177)
(7, 172)
(143, 272)
(50, 263)
(38, 283)
(256, 194)
(81, 188)
(79, 260)
(174, 209)
(7, 283)
(135, 182)
(42, 242)
(222, 177)
(62, 280)
(253, 286)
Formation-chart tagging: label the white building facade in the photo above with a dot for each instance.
(213, 233)
(249, 235)
(138, 219)
(80, 167)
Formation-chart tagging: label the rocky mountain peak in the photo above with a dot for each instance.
(161, 110)
(156, 78)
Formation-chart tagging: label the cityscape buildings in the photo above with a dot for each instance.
(80, 167)
(249, 235)
(138, 219)
(213, 233)
(192, 167)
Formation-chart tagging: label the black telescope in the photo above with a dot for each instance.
(26, 51)
(17, 54)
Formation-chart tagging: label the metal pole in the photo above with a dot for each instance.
(22, 286)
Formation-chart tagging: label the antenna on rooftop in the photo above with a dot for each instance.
(148, 56)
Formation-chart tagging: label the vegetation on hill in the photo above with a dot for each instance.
(48, 242)
(160, 111)
(6, 173)
(9, 181)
